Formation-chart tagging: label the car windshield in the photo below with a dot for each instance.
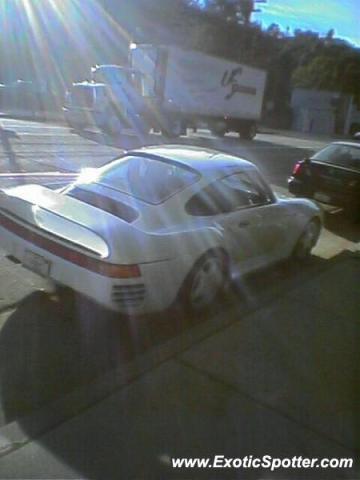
(346, 156)
(148, 179)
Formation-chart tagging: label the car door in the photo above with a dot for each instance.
(243, 207)
(254, 225)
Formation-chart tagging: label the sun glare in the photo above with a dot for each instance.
(61, 39)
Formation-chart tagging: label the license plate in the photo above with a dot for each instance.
(321, 197)
(36, 263)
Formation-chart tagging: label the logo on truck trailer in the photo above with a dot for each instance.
(230, 79)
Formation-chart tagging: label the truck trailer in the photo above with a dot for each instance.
(169, 89)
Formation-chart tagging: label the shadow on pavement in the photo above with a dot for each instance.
(50, 345)
(48, 348)
(5, 137)
(46, 351)
(343, 226)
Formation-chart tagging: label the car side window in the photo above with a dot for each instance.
(249, 188)
(228, 194)
(342, 155)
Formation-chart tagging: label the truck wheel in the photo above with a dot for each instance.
(73, 125)
(112, 125)
(173, 129)
(355, 128)
(248, 132)
(218, 129)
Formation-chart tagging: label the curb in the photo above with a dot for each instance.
(303, 135)
(34, 115)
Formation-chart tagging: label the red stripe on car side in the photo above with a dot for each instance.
(78, 258)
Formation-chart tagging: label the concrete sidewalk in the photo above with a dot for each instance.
(305, 135)
(282, 380)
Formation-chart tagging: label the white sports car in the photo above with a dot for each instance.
(156, 225)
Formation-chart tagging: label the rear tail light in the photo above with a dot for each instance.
(299, 166)
(96, 265)
(119, 271)
(111, 270)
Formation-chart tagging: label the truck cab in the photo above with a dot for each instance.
(114, 99)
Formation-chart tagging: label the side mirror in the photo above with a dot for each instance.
(356, 136)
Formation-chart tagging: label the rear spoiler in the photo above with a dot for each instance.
(30, 209)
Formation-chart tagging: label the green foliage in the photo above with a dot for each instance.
(321, 73)
(333, 68)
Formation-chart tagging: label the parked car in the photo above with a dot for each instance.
(331, 176)
(156, 225)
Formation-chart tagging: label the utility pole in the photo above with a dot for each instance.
(252, 7)
(246, 8)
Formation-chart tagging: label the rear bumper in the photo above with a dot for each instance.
(343, 200)
(150, 292)
(298, 188)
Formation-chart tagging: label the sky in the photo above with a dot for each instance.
(316, 15)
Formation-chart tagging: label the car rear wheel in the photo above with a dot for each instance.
(307, 240)
(205, 282)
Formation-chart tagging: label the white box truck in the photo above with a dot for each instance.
(169, 89)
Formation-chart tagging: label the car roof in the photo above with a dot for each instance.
(348, 143)
(205, 161)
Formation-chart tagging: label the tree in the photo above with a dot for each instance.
(236, 11)
(274, 30)
(246, 7)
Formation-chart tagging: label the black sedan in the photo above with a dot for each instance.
(330, 176)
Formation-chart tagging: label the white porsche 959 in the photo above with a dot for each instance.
(157, 225)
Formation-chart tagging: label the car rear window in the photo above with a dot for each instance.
(148, 179)
(119, 209)
(341, 155)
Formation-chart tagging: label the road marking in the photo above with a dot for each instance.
(36, 174)
(28, 123)
(48, 134)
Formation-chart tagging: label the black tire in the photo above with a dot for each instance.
(353, 213)
(307, 240)
(206, 281)
(114, 122)
(173, 128)
(248, 132)
(355, 128)
(109, 127)
(77, 127)
(218, 130)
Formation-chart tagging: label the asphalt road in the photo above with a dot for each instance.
(50, 345)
